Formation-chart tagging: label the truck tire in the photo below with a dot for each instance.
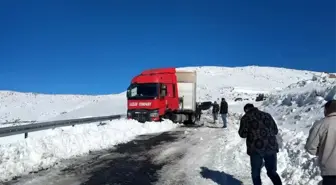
(170, 115)
(191, 120)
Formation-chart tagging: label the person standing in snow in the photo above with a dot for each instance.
(322, 143)
(198, 111)
(260, 130)
(223, 111)
(215, 110)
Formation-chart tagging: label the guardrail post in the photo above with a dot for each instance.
(26, 135)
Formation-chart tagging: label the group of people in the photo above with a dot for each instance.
(216, 109)
(260, 131)
(222, 110)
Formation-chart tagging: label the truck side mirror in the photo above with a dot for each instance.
(163, 91)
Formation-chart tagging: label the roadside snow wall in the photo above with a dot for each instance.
(295, 109)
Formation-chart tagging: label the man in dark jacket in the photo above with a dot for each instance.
(223, 111)
(260, 130)
(215, 110)
(198, 111)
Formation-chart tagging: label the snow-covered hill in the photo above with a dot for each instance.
(32, 106)
(213, 83)
(217, 82)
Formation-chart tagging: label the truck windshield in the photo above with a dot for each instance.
(143, 91)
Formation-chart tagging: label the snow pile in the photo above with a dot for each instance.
(298, 106)
(40, 152)
(296, 109)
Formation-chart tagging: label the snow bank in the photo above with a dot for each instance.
(295, 110)
(43, 151)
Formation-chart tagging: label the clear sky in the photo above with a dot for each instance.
(97, 46)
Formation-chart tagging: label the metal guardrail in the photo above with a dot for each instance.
(25, 129)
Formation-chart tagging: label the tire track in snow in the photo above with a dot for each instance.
(213, 156)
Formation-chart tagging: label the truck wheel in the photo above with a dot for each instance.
(191, 120)
(169, 115)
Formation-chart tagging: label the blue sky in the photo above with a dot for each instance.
(96, 47)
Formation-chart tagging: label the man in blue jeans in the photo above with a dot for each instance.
(260, 130)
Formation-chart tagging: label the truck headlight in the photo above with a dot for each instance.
(154, 113)
(129, 114)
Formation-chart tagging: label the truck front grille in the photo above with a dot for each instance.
(141, 116)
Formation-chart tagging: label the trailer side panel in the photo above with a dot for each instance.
(186, 85)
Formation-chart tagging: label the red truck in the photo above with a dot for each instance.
(165, 93)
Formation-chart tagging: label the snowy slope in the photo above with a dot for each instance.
(107, 105)
(33, 106)
(216, 82)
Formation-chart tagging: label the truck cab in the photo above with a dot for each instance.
(161, 93)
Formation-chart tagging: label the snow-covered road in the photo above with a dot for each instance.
(186, 156)
(212, 156)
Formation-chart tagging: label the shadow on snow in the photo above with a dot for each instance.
(220, 178)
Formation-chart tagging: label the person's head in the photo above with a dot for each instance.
(248, 107)
(223, 99)
(330, 107)
(215, 101)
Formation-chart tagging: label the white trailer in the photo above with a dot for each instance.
(186, 87)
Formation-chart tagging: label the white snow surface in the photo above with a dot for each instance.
(216, 82)
(40, 151)
(294, 99)
(295, 110)
(18, 106)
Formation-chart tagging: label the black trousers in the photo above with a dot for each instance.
(198, 116)
(329, 180)
(270, 165)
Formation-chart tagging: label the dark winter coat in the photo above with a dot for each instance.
(223, 107)
(198, 109)
(260, 130)
(215, 108)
